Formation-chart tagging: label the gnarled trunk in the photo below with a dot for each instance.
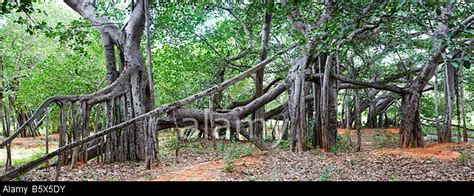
(410, 126)
(129, 76)
(296, 104)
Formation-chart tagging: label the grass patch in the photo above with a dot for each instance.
(33, 157)
(465, 158)
(344, 143)
(167, 145)
(232, 152)
(382, 138)
(325, 174)
(284, 145)
(393, 178)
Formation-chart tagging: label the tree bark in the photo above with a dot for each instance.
(461, 89)
(328, 107)
(410, 126)
(436, 98)
(296, 104)
(448, 102)
(357, 119)
(316, 90)
(258, 116)
(458, 109)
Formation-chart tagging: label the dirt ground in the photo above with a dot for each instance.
(439, 151)
(22, 149)
(210, 171)
(380, 160)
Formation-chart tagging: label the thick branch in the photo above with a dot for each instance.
(245, 102)
(375, 85)
(261, 101)
(136, 23)
(87, 10)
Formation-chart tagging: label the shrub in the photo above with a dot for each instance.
(229, 164)
(325, 174)
(465, 158)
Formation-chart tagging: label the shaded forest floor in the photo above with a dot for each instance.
(380, 160)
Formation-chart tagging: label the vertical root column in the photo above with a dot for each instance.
(110, 138)
(150, 142)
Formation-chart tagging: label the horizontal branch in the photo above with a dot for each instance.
(261, 101)
(162, 109)
(441, 121)
(115, 89)
(245, 102)
(376, 85)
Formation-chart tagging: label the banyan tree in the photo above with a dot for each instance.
(325, 64)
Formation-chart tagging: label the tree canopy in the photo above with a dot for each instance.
(143, 66)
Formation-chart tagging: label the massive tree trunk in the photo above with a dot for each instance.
(296, 84)
(296, 104)
(129, 143)
(410, 126)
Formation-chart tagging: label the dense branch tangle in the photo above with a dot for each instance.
(130, 121)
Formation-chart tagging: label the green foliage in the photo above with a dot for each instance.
(232, 152)
(325, 174)
(382, 138)
(268, 138)
(284, 145)
(393, 178)
(35, 155)
(63, 60)
(464, 158)
(229, 164)
(168, 145)
(344, 142)
(191, 42)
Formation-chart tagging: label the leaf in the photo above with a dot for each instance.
(466, 58)
(467, 64)
(455, 64)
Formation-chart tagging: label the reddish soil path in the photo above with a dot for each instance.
(34, 142)
(440, 151)
(209, 171)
